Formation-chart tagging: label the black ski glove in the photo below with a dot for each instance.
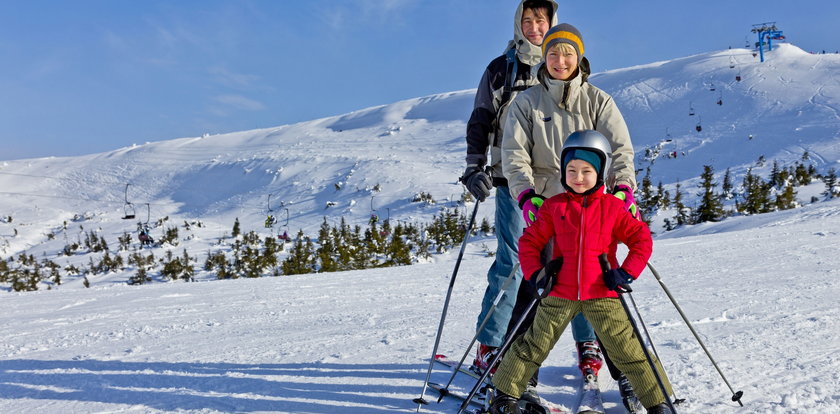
(477, 182)
(542, 281)
(618, 280)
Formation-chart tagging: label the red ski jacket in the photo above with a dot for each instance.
(583, 227)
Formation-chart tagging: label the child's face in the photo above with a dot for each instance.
(534, 25)
(561, 63)
(580, 176)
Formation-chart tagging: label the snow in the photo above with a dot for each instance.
(760, 290)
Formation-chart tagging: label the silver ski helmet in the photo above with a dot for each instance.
(591, 141)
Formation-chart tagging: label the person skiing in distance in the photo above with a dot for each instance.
(583, 222)
(505, 76)
(538, 121)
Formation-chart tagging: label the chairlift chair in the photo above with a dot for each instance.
(270, 220)
(690, 109)
(144, 230)
(128, 208)
(285, 235)
(128, 211)
(698, 127)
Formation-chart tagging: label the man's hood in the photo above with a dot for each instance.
(527, 52)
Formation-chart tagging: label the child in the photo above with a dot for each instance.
(583, 223)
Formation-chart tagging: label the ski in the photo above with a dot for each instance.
(544, 407)
(444, 360)
(590, 396)
(479, 399)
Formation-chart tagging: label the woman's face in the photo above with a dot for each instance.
(561, 63)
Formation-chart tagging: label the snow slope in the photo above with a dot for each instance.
(761, 292)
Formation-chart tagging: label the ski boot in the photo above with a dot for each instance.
(504, 404)
(628, 396)
(660, 409)
(483, 358)
(530, 394)
(589, 357)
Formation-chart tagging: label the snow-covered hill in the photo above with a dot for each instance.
(760, 288)
(761, 291)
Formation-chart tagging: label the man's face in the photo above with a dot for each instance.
(534, 26)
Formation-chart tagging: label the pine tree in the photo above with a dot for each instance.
(664, 196)
(727, 186)
(485, 226)
(710, 208)
(646, 202)
(301, 259)
(683, 215)
(830, 180)
(327, 250)
(786, 199)
(236, 229)
(756, 195)
(187, 270)
(775, 176)
(800, 175)
(398, 251)
(141, 263)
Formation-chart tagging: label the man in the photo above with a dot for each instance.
(505, 76)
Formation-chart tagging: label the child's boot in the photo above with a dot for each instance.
(660, 409)
(628, 396)
(504, 404)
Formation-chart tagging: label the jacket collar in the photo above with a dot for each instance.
(597, 191)
(564, 93)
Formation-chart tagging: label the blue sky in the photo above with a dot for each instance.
(86, 76)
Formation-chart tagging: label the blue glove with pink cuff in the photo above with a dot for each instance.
(530, 202)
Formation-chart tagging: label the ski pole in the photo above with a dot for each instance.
(605, 266)
(509, 340)
(445, 390)
(420, 400)
(736, 396)
(650, 341)
(497, 357)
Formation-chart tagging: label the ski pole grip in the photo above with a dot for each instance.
(605, 267)
(605, 262)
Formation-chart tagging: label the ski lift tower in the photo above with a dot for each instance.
(767, 31)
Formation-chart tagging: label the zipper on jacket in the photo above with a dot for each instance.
(565, 95)
(580, 244)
